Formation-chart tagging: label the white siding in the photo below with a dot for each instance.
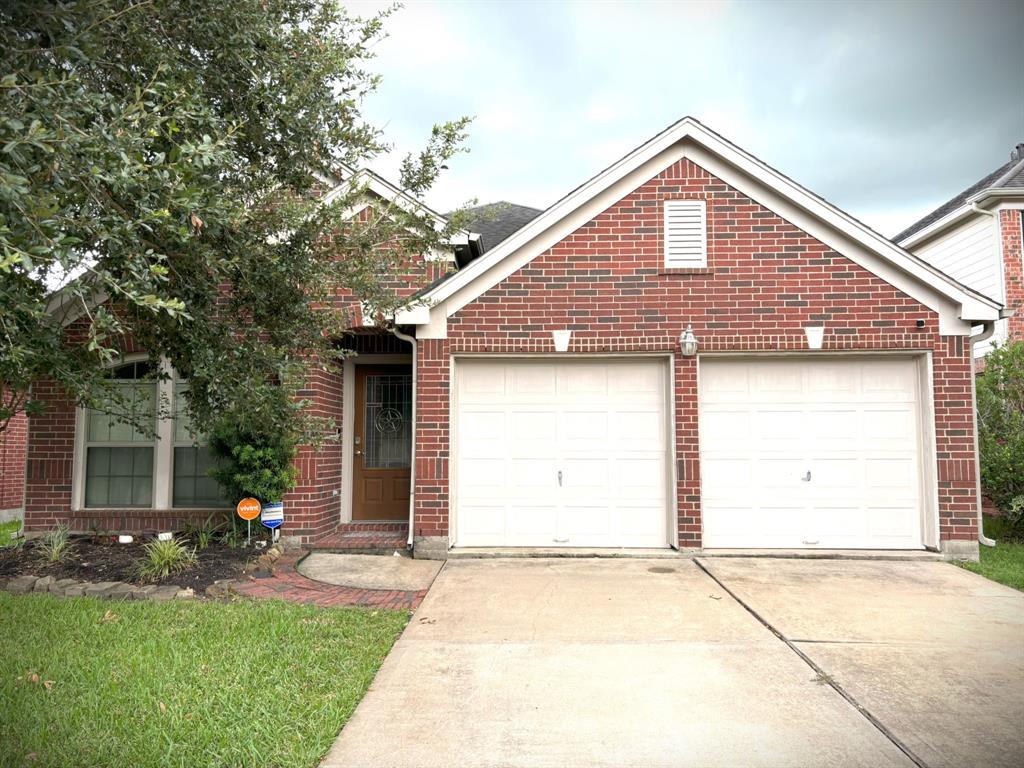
(970, 254)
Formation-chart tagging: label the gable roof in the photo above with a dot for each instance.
(690, 139)
(495, 222)
(1010, 175)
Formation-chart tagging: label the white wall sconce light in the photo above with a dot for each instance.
(688, 342)
(561, 339)
(815, 336)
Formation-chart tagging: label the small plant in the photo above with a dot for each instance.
(99, 535)
(204, 533)
(54, 545)
(164, 558)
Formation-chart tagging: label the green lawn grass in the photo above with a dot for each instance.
(6, 529)
(1005, 561)
(181, 684)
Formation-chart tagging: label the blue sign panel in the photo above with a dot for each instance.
(272, 515)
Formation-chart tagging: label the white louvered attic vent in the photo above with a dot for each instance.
(686, 242)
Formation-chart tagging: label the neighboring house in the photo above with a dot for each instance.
(978, 238)
(12, 468)
(688, 350)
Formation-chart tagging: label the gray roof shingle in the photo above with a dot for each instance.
(495, 222)
(1010, 174)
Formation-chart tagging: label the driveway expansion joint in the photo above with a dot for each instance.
(823, 676)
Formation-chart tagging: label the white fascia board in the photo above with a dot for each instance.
(936, 227)
(927, 284)
(1002, 193)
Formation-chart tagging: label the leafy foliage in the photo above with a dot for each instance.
(204, 533)
(170, 157)
(164, 558)
(1000, 395)
(54, 545)
(255, 458)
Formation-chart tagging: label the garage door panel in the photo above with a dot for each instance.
(889, 424)
(586, 474)
(484, 473)
(583, 522)
(854, 425)
(484, 520)
(891, 521)
(895, 472)
(835, 475)
(584, 381)
(532, 382)
(602, 424)
(719, 473)
(732, 425)
(778, 473)
(837, 428)
(584, 427)
(638, 383)
(635, 430)
(778, 426)
(481, 384)
(532, 426)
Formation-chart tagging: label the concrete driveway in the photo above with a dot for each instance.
(568, 662)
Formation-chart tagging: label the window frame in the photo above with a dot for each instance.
(702, 205)
(163, 443)
(175, 443)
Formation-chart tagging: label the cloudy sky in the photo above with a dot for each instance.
(884, 108)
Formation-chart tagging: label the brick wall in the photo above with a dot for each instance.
(1011, 232)
(12, 463)
(765, 281)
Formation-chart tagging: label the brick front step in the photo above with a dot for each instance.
(365, 539)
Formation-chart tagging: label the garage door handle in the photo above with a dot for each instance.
(807, 478)
(559, 478)
(560, 541)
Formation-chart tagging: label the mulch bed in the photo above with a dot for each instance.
(103, 559)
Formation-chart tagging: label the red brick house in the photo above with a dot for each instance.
(688, 350)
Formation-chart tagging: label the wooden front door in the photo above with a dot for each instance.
(383, 442)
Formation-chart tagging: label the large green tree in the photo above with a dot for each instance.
(161, 161)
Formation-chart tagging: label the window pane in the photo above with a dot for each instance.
(119, 477)
(192, 487)
(182, 423)
(388, 423)
(138, 398)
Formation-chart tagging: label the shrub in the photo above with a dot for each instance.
(255, 458)
(164, 558)
(1000, 394)
(55, 544)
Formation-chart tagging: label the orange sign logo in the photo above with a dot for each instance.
(248, 509)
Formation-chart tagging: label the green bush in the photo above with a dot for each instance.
(255, 459)
(164, 558)
(1000, 392)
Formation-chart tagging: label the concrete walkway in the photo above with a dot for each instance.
(934, 652)
(653, 663)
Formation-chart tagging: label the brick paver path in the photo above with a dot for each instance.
(288, 584)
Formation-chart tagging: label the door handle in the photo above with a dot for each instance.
(811, 543)
(807, 478)
(560, 541)
(559, 480)
(358, 452)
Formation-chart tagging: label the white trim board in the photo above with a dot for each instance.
(958, 306)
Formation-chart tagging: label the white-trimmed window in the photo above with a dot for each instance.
(118, 465)
(686, 240)
(119, 457)
(191, 485)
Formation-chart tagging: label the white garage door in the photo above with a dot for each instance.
(819, 454)
(567, 454)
